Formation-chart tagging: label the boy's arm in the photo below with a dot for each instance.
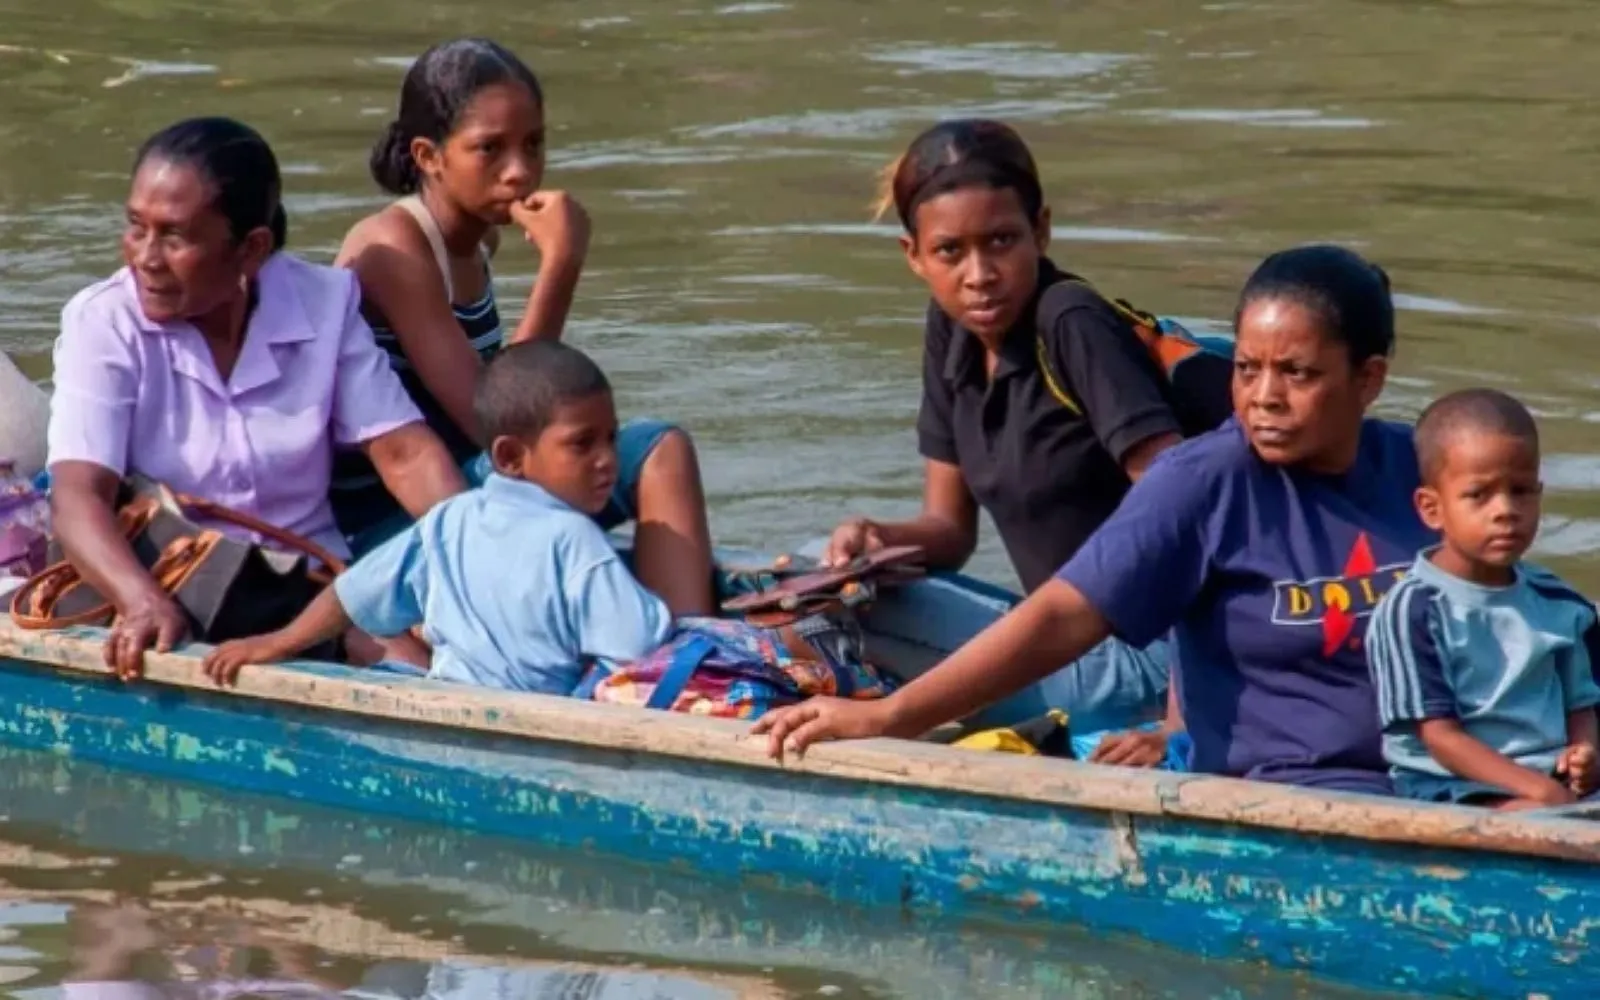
(1580, 761)
(381, 594)
(1468, 757)
(323, 619)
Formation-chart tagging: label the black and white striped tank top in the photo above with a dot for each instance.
(480, 324)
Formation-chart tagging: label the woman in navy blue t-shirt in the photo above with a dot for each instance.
(1263, 545)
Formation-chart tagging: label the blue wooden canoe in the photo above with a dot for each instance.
(1359, 890)
(364, 885)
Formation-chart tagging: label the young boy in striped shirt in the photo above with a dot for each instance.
(1483, 664)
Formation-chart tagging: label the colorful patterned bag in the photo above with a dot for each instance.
(730, 668)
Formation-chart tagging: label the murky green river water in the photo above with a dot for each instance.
(726, 153)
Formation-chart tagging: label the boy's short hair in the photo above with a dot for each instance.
(1487, 412)
(519, 391)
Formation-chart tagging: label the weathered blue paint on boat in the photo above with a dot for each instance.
(490, 892)
(1369, 892)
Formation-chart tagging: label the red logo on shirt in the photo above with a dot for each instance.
(1339, 621)
(1337, 603)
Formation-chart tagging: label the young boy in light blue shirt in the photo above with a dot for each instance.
(1483, 664)
(514, 584)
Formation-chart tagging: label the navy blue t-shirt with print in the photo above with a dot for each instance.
(1267, 576)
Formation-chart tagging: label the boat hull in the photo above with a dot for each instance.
(388, 887)
(937, 831)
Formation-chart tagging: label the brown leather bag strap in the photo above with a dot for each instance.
(193, 505)
(32, 603)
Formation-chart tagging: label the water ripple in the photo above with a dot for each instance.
(140, 70)
(1443, 307)
(1266, 118)
(1002, 59)
(1069, 234)
(875, 123)
(652, 153)
(1565, 473)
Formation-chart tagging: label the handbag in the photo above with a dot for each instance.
(730, 668)
(228, 588)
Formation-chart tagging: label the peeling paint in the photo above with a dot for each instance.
(1375, 915)
(274, 761)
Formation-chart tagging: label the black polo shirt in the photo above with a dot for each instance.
(1047, 476)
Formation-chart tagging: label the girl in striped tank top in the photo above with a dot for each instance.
(466, 155)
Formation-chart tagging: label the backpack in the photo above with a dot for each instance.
(795, 634)
(734, 669)
(1197, 368)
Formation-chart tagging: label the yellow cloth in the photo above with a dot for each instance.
(1008, 740)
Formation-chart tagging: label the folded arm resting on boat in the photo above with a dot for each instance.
(1054, 625)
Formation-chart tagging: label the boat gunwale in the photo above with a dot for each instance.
(932, 767)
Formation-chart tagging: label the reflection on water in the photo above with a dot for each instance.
(222, 948)
(116, 877)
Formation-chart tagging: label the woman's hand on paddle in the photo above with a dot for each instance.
(556, 224)
(794, 727)
(855, 537)
(155, 622)
(224, 663)
(1135, 748)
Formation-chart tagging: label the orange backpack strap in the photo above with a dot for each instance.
(1146, 326)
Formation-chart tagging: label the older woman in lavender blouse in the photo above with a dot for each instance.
(221, 366)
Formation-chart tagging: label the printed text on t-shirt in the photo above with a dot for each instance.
(1337, 602)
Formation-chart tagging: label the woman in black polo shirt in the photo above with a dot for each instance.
(1008, 335)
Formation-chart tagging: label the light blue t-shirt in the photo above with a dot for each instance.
(1508, 662)
(513, 588)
